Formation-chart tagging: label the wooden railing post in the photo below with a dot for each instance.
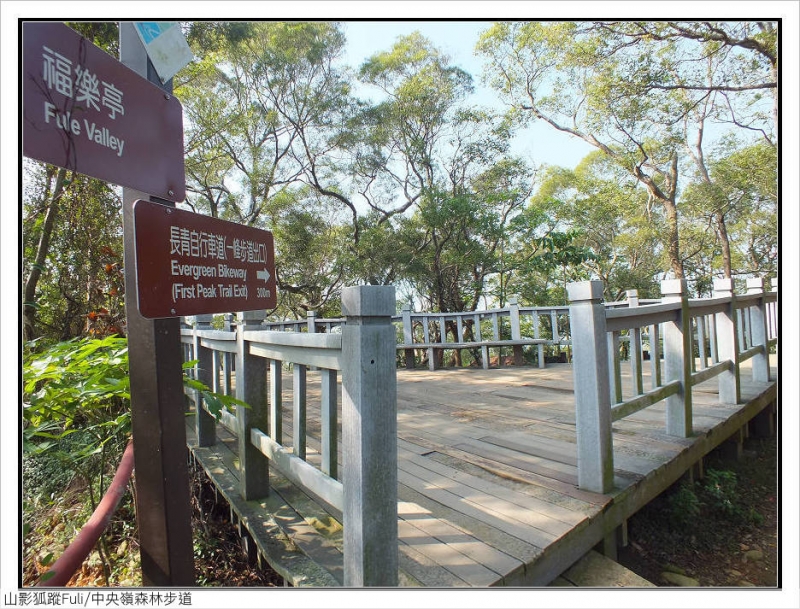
(728, 343)
(591, 380)
(408, 335)
(773, 311)
(205, 425)
(251, 387)
(516, 331)
(758, 330)
(677, 359)
(537, 335)
(369, 437)
(635, 350)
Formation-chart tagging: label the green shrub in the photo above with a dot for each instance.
(684, 506)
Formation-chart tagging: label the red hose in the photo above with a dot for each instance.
(73, 557)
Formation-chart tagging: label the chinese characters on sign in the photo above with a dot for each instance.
(86, 111)
(83, 87)
(189, 264)
(81, 598)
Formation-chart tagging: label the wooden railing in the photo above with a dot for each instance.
(253, 359)
(689, 341)
(508, 328)
(512, 327)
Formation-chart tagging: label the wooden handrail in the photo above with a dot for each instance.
(728, 329)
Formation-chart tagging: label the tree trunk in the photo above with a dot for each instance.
(673, 244)
(29, 295)
(722, 231)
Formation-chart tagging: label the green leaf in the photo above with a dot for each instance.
(194, 384)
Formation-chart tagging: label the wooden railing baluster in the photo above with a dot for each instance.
(728, 343)
(275, 401)
(758, 330)
(677, 359)
(299, 410)
(330, 456)
(205, 423)
(251, 379)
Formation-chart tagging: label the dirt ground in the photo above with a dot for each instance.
(721, 530)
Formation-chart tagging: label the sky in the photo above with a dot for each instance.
(542, 144)
(539, 143)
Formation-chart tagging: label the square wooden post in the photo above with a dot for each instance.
(311, 322)
(758, 330)
(635, 351)
(591, 379)
(516, 330)
(205, 425)
(408, 335)
(251, 387)
(728, 343)
(677, 359)
(369, 437)
(158, 420)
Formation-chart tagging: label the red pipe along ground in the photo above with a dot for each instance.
(72, 558)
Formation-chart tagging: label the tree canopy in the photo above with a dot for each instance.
(387, 172)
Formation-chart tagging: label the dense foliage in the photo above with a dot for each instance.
(387, 172)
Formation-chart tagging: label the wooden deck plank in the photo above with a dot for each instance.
(480, 552)
(487, 477)
(502, 522)
(508, 511)
(491, 536)
(446, 555)
(466, 482)
(425, 570)
(597, 571)
(507, 472)
(469, 434)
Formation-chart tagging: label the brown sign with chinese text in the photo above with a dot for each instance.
(190, 264)
(85, 111)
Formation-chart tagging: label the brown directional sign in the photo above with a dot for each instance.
(84, 110)
(189, 264)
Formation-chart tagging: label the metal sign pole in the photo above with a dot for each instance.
(163, 509)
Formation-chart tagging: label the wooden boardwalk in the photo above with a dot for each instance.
(487, 479)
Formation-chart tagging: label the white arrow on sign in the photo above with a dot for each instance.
(263, 275)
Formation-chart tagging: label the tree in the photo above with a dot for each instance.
(738, 192)
(253, 105)
(72, 255)
(49, 200)
(630, 89)
(603, 210)
(311, 243)
(406, 131)
(265, 109)
(438, 172)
